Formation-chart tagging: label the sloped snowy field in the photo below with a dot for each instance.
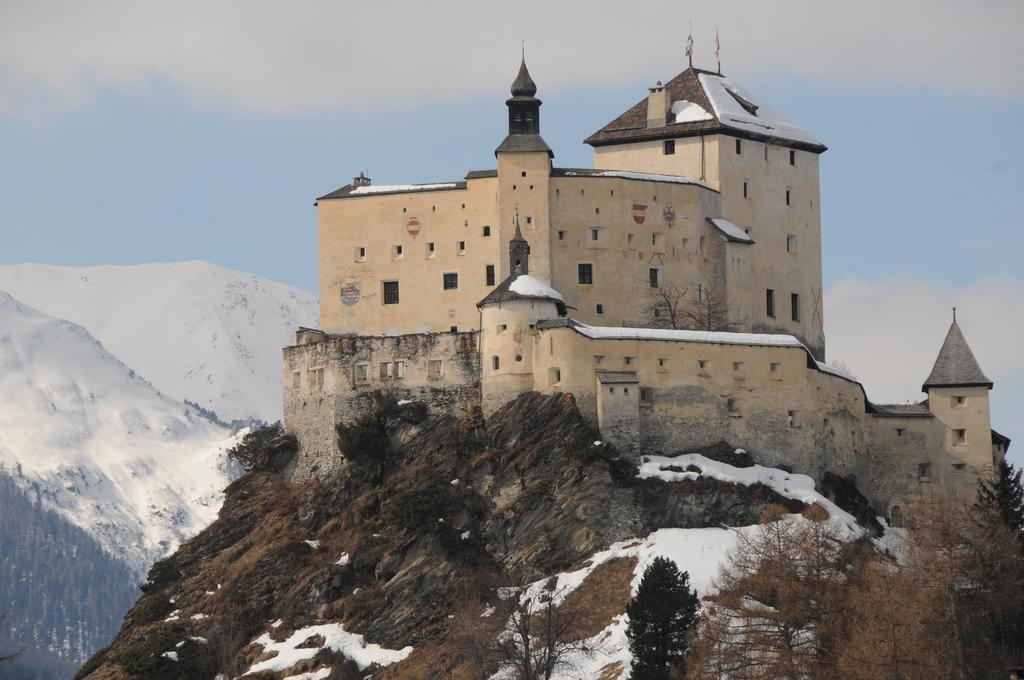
(196, 331)
(135, 468)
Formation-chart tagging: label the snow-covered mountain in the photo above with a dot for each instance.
(138, 470)
(195, 330)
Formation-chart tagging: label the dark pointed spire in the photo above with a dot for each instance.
(523, 85)
(518, 252)
(956, 366)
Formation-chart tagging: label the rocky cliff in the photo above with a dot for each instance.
(392, 564)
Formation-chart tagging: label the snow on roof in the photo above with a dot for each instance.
(716, 337)
(738, 109)
(649, 177)
(822, 366)
(394, 188)
(731, 231)
(684, 111)
(531, 286)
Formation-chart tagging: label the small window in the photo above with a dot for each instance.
(700, 244)
(959, 467)
(896, 517)
(739, 147)
(524, 173)
(791, 243)
(598, 358)
(959, 401)
(770, 303)
(431, 249)
(658, 240)
(585, 273)
(794, 304)
(737, 365)
(487, 231)
(733, 406)
(792, 157)
(296, 380)
(595, 234)
(628, 361)
(434, 369)
(391, 292)
(663, 363)
(529, 220)
(654, 277)
(397, 252)
(787, 196)
(386, 370)
(702, 363)
(554, 376)
(320, 379)
(924, 471)
(599, 308)
(489, 274)
(461, 248)
(646, 395)
(746, 189)
(362, 372)
(361, 254)
(669, 147)
(495, 362)
(774, 366)
(959, 437)
(399, 369)
(502, 327)
(453, 329)
(519, 357)
(629, 239)
(561, 235)
(793, 418)
(451, 280)
(900, 431)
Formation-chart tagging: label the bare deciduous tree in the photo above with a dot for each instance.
(701, 308)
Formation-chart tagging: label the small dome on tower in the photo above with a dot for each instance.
(523, 85)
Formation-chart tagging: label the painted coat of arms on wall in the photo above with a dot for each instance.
(669, 215)
(639, 212)
(413, 226)
(349, 293)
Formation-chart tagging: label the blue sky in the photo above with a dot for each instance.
(191, 135)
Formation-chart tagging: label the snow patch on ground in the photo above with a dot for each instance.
(336, 638)
(315, 675)
(343, 560)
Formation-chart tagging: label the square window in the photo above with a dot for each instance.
(793, 418)
(770, 303)
(391, 292)
(489, 274)
(434, 369)
(585, 272)
(959, 437)
(502, 327)
(529, 220)
(900, 431)
(669, 147)
(487, 231)
(554, 376)
(362, 372)
(924, 471)
(662, 363)
(450, 280)
(774, 367)
(959, 467)
(524, 173)
(658, 240)
(397, 252)
(737, 365)
(702, 363)
(453, 329)
(959, 401)
(386, 370)
(732, 405)
(599, 308)
(598, 358)
(628, 361)
(646, 395)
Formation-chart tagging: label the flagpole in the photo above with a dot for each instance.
(718, 48)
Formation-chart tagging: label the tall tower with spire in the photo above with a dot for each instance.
(524, 180)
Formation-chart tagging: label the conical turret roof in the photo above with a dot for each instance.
(956, 365)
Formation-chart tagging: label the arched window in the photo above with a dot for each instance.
(896, 517)
(495, 362)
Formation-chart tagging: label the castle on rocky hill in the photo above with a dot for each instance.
(676, 292)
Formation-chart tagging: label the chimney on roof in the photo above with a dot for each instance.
(657, 106)
(361, 180)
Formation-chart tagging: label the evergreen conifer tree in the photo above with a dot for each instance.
(1005, 495)
(660, 617)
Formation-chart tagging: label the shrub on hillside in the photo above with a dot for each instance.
(247, 451)
(416, 508)
(366, 438)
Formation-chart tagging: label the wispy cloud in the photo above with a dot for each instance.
(277, 58)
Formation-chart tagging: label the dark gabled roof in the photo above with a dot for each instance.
(518, 143)
(956, 365)
(1000, 439)
(904, 410)
(631, 126)
(481, 174)
(617, 377)
(503, 293)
